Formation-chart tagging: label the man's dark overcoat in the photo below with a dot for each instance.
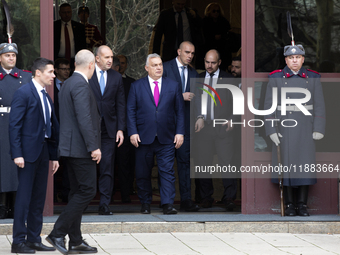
(9, 83)
(297, 144)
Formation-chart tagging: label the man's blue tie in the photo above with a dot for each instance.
(183, 78)
(47, 114)
(102, 82)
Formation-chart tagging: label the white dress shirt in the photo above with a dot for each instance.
(153, 85)
(186, 25)
(99, 74)
(62, 39)
(57, 83)
(7, 71)
(214, 81)
(39, 88)
(179, 65)
(87, 80)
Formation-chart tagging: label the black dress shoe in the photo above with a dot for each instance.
(189, 206)
(39, 246)
(230, 205)
(145, 209)
(21, 248)
(290, 210)
(82, 248)
(169, 209)
(58, 243)
(302, 210)
(104, 210)
(206, 203)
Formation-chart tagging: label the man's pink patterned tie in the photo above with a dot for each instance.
(156, 93)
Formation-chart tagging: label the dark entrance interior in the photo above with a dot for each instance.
(106, 17)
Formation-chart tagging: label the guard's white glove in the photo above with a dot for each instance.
(275, 138)
(317, 136)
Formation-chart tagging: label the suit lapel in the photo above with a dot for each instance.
(163, 90)
(107, 82)
(36, 96)
(147, 88)
(187, 89)
(74, 27)
(51, 104)
(95, 85)
(173, 21)
(175, 70)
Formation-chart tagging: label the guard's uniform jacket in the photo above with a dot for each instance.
(93, 37)
(297, 144)
(9, 83)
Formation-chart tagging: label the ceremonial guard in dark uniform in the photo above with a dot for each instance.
(296, 143)
(11, 78)
(93, 36)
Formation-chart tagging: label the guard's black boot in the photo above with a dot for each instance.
(289, 201)
(302, 197)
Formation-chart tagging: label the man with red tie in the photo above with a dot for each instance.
(69, 35)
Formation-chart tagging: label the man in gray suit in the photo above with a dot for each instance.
(80, 145)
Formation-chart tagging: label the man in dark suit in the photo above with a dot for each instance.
(210, 139)
(33, 134)
(107, 87)
(80, 145)
(180, 71)
(127, 80)
(177, 24)
(155, 117)
(68, 42)
(62, 72)
(126, 152)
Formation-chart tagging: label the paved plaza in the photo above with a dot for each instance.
(204, 243)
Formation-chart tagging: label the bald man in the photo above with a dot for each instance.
(108, 89)
(80, 146)
(179, 70)
(219, 139)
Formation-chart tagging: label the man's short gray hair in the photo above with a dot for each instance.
(99, 49)
(153, 55)
(84, 57)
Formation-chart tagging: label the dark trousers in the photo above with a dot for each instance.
(165, 156)
(106, 166)
(208, 142)
(64, 186)
(183, 169)
(30, 200)
(229, 185)
(82, 175)
(126, 166)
